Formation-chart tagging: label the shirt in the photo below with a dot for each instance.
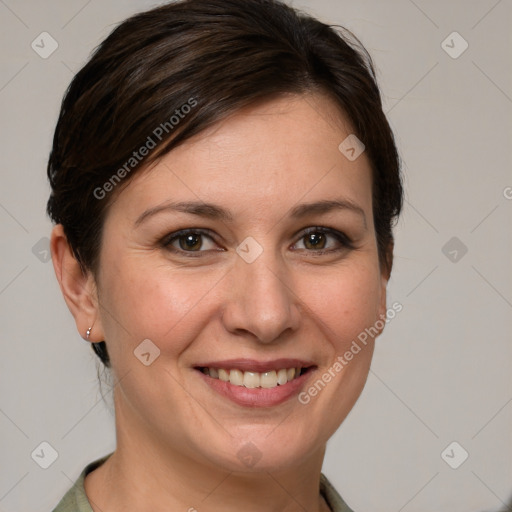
(75, 500)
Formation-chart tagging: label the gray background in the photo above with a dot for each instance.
(441, 371)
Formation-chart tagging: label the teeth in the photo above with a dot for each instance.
(236, 377)
(251, 380)
(282, 376)
(268, 379)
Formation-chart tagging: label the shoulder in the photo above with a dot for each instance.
(331, 496)
(75, 500)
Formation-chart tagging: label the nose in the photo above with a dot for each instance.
(260, 300)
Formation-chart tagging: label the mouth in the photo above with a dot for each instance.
(256, 384)
(251, 379)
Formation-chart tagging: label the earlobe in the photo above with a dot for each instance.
(78, 287)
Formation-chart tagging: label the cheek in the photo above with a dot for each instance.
(345, 302)
(151, 301)
(343, 305)
(143, 301)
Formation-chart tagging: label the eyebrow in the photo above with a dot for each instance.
(201, 209)
(327, 206)
(212, 211)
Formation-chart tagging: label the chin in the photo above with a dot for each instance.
(269, 450)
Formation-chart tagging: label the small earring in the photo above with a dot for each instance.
(88, 333)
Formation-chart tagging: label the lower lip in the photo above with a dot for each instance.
(257, 397)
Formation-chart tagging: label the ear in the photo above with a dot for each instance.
(78, 287)
(385, 272)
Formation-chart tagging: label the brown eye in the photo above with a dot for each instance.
(315, 240)
(322, 240)
(190, 242)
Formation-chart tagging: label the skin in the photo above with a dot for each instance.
(177, 440)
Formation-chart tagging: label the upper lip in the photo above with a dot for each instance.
(252, 365)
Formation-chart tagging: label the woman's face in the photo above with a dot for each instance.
(278, 269)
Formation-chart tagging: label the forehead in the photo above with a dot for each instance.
(267, 157)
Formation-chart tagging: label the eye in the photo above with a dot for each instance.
(189, 240)
(318, 239)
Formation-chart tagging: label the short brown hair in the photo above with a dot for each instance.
(223, 55)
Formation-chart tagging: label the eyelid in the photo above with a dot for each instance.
(171, 237)
(343, 240)
(341, 237)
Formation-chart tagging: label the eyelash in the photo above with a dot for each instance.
(340, 237)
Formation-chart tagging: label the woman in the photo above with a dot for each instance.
(224, 185)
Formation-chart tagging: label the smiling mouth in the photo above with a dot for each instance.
(267, 380)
